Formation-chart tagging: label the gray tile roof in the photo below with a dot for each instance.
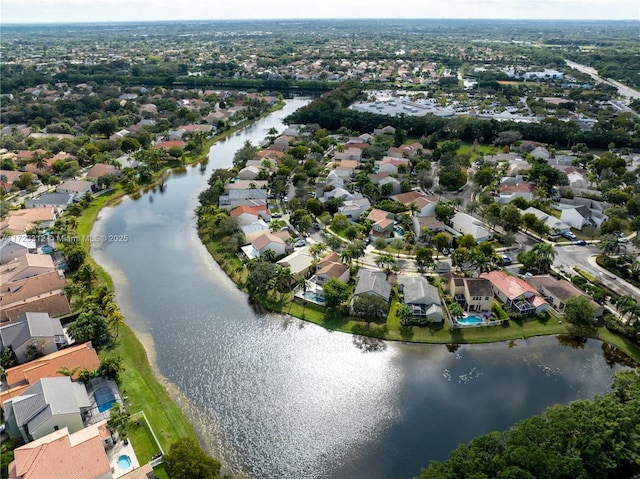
(373, 282)
(29, 325)
(417, 290)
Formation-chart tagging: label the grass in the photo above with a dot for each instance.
(145, 393)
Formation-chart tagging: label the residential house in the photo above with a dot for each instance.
(75, 187)
(472, 294)
(51, 200)
(422, 205)
(12, 247)
(351, 154)
(8, 178)
(352, 209)
(299, 262)
(516, 293)
(168, 144)
(394, 182)
(382, 223)
(468, 225)
(99, 170)
(372, 282)
(580, 216)
(556, 227)
(47, 406)
(519, 190)
(540, 152)
(74, 359)
(430, 223)
(283, 142)
(31, 283)
(246, 185)
(254, 229)
(249, 197)
(249, 214)
(422, 297)
(32, 335)
(81, 455)
(558, 291)
(331, 267)
(387, 130)
(265, 241)
(249, 173)
(392, 165)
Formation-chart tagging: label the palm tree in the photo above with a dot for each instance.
(609, 245)
(316, 249)
(282, 279)
(545, 255)
(115, 320)
(85, 276)
(628, 306)
(269, 256)
(347, 255)
(65, 371)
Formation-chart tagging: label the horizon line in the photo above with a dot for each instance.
(79, 22)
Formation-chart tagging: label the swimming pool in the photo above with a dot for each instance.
(473, 319)
(124, 462)
(314, 297)
(105, 399)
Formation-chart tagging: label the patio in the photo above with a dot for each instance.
(119, 450)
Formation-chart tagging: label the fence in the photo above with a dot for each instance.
(154, 461)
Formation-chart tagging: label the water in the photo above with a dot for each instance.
(124, 462)
(279, 398)
(316, 298)
(470, 320)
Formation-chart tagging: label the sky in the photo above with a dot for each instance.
(56, 11)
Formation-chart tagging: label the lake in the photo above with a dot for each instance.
(279, 398)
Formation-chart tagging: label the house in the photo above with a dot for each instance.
(8, 178)
(249, 197)
(168, 144)
(75, 187)
(32, 335)
(300, 262)
(75, 359)
(580, 216)
(382, 223)
(266, 241)
(51, 200)
(331, 267)
(12, 247)
(556, 227)
(516, 293)
(99, 170)
(47, 406)
(422, 297)
(422, 205)
(519, 190)
(558, 291)
(429, 223)
(467, 225)
(249, 214)
(249, 173)
(246, 185)
(31, 283)
(80, 455)
(372, 282)
(352, 209)
(472, 294)
(254, 229)
(387, 130)
(394, 183)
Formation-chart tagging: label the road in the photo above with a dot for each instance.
(593, 73)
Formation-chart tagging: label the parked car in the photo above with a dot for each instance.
(506, 260)
(276, 215)
(300, 242)
(569, 235)
(580, 243)
(622, 239)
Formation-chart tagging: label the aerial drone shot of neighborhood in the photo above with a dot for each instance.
(284, 240)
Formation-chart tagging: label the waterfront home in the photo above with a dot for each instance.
(372, 282)
(331, 267)
(47, 406)
(51, 200)
(249, 197)
(75, 187)
(32, 335)
(558, 291)
(468, 225)
(248, 214)
(472, 294)
(516, 293)
(20, 221)
(300, 262)
(250, 173)
(101, 169)
(73, 359)
(31, 283)
(254, 229)
(80, 455)
(422, 297)
(266, 241)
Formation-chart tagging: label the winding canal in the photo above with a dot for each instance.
(279, 398)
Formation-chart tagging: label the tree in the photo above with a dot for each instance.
(444, 211)
(456, 310)
(510, 218)
(110, 366)
(579, 310)
(335, 291)
(301, 219)
(441, 241)
(424, 258)
(258, 280)
(244, 154)
(370, 307)
(405, 313)
(186, 460)
(89, 326)
(609, 245)
(545, 255)
(282, 279)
